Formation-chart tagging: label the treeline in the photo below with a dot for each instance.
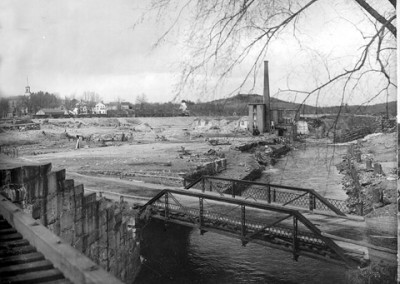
(39, 100)
(238, 105)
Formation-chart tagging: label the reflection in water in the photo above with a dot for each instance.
(182, 255)
(310, 167)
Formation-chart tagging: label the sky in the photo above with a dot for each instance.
(69, 47)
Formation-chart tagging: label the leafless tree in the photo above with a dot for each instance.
(222, 34)
(141, 100)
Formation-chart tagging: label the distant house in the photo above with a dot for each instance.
(112, 106)
(50, 112)
(100, 108)
(81, 108)
(17, 105)
(243, 123)
(126, 106)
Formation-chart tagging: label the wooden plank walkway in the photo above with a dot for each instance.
(21, 263)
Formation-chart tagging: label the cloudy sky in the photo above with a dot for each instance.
(69, 47)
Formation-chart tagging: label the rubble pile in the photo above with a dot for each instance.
(371, 191)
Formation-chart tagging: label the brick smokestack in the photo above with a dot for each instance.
(266, 99)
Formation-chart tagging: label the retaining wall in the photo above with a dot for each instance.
(210, 168)
(97, 228)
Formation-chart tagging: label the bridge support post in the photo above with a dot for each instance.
(269, 193)
(203, 185)
(312, 204)
(295, 241)
(201, 210)
(166, 207)
(274, 195)
(243, 222)
(233, 189)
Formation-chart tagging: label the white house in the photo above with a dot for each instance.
(100, 108)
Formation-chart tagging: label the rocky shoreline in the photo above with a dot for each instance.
(372, 193)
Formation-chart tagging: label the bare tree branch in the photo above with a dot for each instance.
(378, 16)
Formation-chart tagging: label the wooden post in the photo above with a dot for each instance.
(274, 195)
(377, 169)
(358, 157)
(368, 164)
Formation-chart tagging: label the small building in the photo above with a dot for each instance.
(243, 123)
(302, 127)
(82, 108)
(50, 112)
(112, 106)
(18, 105)
(100, 108)
(257, 117)
(125, 106)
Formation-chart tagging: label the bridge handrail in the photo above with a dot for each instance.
(308, 190)
(151, 201)
(300, 217)
(194, 183)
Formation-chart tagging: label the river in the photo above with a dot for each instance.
(181, 255)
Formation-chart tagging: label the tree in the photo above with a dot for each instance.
(223, 34)
(3, 107)
(141, 100)
(41, 100)
(91, 99)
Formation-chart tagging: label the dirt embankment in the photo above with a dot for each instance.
(370, 180)
(369, 170)
(160, 150)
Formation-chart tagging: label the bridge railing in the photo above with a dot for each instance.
(288, 229)
(272, 193)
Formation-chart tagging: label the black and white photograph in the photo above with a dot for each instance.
(204, 142)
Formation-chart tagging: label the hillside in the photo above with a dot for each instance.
(239, 105)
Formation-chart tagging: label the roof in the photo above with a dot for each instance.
(52, 111)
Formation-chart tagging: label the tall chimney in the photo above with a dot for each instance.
(266, 98)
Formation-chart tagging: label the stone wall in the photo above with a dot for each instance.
(209, 168)
(100, 229)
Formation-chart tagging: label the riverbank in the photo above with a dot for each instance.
(370, 181)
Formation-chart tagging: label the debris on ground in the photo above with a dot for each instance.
(216, 142)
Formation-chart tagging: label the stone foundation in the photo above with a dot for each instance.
(102, 230)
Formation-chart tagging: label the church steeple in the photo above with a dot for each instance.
(27, 88)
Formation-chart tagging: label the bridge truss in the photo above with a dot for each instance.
(266, 224)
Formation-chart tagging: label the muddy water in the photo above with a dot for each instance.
(182, 255)
(311, 166)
